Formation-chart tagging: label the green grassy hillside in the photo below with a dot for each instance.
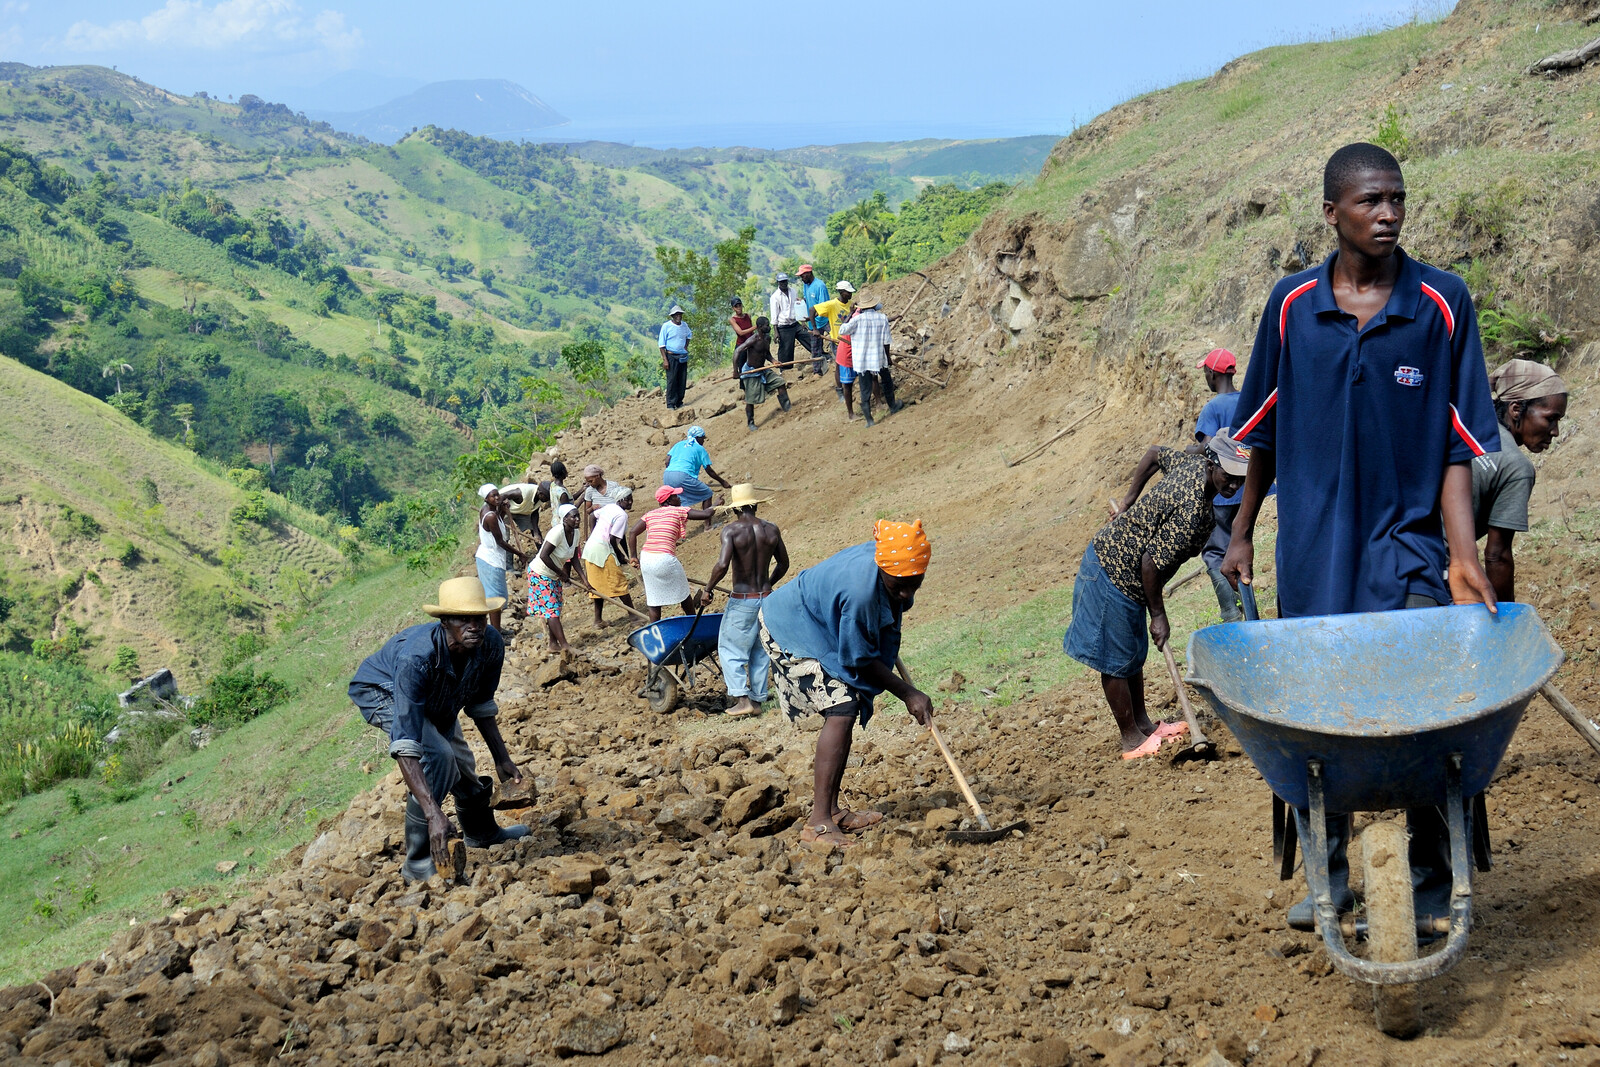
(129, 537)
(83, 859)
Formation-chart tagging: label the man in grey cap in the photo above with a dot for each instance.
(1127, 563)
(674, 344)
(786, 307)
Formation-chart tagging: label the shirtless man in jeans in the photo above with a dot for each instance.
(752, 547)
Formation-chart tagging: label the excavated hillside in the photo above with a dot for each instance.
(664, 910)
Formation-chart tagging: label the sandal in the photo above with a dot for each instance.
(1151, 746)
(1171, 729)
(855, 822)
(825, 838)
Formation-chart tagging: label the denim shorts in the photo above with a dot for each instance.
(492, 578)
(1107, 633)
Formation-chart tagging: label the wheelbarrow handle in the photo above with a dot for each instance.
(1247, 596)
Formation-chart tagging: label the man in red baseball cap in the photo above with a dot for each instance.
(1216, 416)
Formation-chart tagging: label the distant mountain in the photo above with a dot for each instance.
(350, 90)
(485, 107)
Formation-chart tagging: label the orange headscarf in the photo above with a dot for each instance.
(902, 548)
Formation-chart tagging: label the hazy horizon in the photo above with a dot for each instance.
(704, 75)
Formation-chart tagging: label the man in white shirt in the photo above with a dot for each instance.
(786, 307)
(869, 351)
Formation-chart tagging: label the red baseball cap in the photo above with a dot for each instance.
(805, 268)
(1219, 360)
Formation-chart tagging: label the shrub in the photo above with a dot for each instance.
(125, 663)
(1392, 134)
(70, 752)
(238, 696)
(1514, 332)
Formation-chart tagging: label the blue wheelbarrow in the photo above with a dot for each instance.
(1374, 712)
(674, 644)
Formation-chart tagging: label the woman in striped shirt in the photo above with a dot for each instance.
(665, 581)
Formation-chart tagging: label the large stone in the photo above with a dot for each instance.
(686, 816)
(373, 935)
(747, 803)
(586, 1034)
(964, 962)
(211, 960)
(553, 671)
(785, 1003)
(576, 876)
(924, 984)
(1051, 1052)
(468, 929)
(781, 946)
(712, 1040)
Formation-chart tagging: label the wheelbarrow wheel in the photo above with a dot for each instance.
(1391, 921)
(661, 690)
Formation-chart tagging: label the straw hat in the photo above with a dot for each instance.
(742, 496)
(463, 596)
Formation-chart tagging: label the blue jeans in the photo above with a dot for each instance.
(446, 760)
(695, 492)
(740, 650)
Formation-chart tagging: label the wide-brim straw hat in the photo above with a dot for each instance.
(463, 596)
(743, 495)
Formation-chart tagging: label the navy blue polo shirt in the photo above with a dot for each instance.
(1364, 424)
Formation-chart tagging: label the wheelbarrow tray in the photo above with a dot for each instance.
(664, 642)
(1378, 699)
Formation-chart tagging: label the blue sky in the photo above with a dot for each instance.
(901, 67)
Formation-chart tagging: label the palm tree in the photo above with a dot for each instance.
(864, 221)
(116, 370)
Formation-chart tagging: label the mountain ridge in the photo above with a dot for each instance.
(486, 107)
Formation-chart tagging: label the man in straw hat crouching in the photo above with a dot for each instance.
(834, 638)
(413, 689)
(754, 549)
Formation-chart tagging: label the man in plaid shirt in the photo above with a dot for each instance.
(869, 349)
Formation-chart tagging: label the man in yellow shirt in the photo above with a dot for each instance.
(837, 310)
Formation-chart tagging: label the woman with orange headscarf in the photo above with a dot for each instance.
(833, 635)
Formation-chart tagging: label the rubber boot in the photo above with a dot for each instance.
(477, 819)
(1302, 916)
(418, 866)
(886, 381)
(864, 386)
(1431, 878)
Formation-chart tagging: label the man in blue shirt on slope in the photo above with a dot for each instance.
(833, 635)
(815, 292)
(674, 344)
(1367, 398)
(413, 689)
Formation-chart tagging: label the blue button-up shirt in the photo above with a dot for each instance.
(675, 338)
(817, 293)
(414, 672)
(839, 614)
(1364, 424)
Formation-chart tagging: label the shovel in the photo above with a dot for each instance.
(985, 833)
(1200, 746)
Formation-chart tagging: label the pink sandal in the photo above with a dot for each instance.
(1151, 746)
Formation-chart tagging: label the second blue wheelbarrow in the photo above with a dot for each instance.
(1375, 712)
(674, 647)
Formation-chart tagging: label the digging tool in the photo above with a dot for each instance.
(1185, 580)
(1580, 722)
(1200, 746)
(985, 833)
(919, 374)
(1038, 450)
(632, 611)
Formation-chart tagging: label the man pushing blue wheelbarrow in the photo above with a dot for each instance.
(1376, 712)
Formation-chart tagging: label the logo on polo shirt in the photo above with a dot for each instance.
(1411, 376)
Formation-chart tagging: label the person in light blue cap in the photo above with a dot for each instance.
(685, 461)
